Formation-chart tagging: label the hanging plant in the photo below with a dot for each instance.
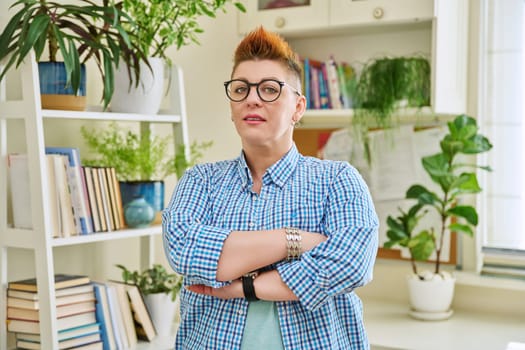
(386, 84)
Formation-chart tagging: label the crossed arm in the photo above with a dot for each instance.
(244, 252)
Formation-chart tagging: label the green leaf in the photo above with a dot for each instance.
(422, 246)
(37, 29)
(466, 212)
(466, 229)
(7, 35)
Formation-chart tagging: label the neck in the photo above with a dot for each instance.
(259, 159)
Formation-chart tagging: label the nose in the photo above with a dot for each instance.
(253, 96)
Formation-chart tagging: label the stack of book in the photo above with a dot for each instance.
(82, 200)
(76, 318)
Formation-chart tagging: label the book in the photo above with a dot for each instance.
(61, 281)
(72, 343)
(66, 215)
(63, 300)
(62, 311)
(92, 199)
(307, 82)
(333, 84)
(65, 334)
(127, 315)
(103, 315)
(84, 288)
(116, 198)
(98, 197)
(82, 215)
(142, 319)
(62, 323)
(112, 198)
(105, 198)
(117, 320)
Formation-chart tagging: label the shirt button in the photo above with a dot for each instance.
(240, 312)
(251, 224)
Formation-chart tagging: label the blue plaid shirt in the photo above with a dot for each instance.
(313, 195)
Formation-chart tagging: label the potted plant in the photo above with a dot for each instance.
(161, 24)
(449, 171)
(160, 290)
(141, 161)
(384, 85)
(78, 32)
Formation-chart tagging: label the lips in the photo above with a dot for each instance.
(254, 118)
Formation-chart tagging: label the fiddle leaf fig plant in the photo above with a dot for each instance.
(153, 280)
(451, 173)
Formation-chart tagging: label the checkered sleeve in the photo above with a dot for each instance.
(345, 260)
(192, 247)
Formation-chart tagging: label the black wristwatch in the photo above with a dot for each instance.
(247, 286)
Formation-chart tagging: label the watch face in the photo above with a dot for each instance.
(276, 4)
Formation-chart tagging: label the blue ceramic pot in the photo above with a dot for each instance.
(151, 191)
(53, 79)
(138, 213)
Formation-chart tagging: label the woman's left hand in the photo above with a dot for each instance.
(231, 291)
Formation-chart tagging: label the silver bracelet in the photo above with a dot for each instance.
(293, 243)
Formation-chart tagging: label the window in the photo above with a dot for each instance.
(501, 114)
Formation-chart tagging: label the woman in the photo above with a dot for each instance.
(271, 244)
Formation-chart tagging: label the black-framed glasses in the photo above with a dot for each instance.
(268, 90)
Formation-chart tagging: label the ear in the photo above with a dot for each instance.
(300, 108)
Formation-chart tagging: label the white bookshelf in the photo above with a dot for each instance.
(39, 239)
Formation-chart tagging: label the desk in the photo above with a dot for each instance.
(389, 326)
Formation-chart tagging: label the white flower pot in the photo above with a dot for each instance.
(145, 98)
(163, 312)
(430, 299)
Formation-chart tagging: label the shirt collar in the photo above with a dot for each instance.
(279, 173)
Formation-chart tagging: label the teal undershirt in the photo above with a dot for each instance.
(262, 330)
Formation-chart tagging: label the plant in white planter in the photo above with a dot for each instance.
(449, 172)
(160, 290)
(161, 24)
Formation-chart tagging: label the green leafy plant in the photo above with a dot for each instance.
(153, 280)
(78, 32)
(163, 23)
(137, 157)
(385, 83)
(447, 170)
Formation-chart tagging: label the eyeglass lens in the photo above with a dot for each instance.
(268, 90)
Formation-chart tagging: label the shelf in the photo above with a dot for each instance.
(340, 118)
(24, 238)
(94, 113)
(107, 236)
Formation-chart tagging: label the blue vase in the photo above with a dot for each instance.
(152, 191)
(138, 213)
